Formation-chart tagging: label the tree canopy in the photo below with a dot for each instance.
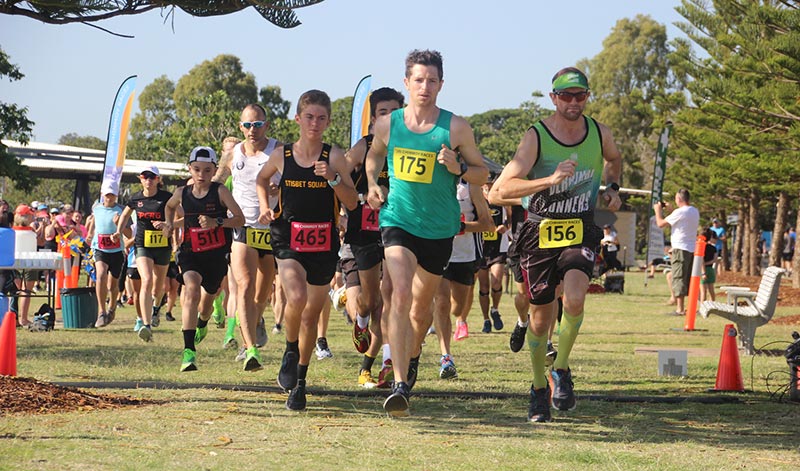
(278, 12)
(14, 125)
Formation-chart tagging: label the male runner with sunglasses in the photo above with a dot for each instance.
(252, 263)
(559, 164)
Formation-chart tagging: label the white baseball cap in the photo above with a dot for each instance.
(152, 169)
(203, 154)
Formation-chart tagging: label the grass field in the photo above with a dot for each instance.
(475, 422)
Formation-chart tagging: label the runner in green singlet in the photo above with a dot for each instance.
(428, 149)
(559, 164)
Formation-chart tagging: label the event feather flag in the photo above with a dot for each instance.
(359, 121)
(655, 236)
(118, 134)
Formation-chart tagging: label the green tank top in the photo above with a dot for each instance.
(422, 200)
(575, 196)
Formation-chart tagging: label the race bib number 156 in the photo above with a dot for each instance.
(413, 165)
(555, 233)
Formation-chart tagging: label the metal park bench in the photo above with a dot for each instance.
(758, 308)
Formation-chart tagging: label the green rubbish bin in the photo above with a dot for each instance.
(78, 307)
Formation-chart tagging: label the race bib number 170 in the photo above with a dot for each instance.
(413, 165)
(555, 233)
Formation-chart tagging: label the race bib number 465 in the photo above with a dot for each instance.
(413, 165)
(154, 239)
(311, 236)
(555, 233)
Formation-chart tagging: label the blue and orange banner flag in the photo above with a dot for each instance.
(359, 120)
(118, 134)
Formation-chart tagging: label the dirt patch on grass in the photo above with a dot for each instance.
(30, 396)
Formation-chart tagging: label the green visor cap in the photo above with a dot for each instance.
(570, 80)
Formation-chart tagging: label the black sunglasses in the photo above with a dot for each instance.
(566, 96)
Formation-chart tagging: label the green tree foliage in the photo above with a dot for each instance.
(278, 12)
(15, 126)
(223, 72)
(156, 116)
(209, 119)
(742, 131)
(634, 92)
(273, 103)
(338, 133)
(88, 142)
(498, 132)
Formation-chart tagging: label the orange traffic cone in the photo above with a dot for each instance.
(729, 371)
(8, 345)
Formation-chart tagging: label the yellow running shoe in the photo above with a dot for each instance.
(365, 379)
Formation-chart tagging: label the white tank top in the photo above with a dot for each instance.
(244, 170)
(467, 247)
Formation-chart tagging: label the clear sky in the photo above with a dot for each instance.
(495, 53)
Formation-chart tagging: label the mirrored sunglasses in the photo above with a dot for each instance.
(253, 124)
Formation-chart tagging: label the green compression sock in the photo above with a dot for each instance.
(538, 348)
(570, 326)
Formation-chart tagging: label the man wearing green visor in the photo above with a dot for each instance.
(556, 172)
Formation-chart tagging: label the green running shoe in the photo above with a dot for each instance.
(252, 360)
(200, 334)
(189, 359)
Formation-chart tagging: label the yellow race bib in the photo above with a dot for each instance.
(413, 165)
(154, 239)
(490, 236)
(555, 233)
(259, 238)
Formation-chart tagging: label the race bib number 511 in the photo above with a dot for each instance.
(555, 233)
(413, 165)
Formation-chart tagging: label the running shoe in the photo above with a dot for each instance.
(252, 361)
(365, 379)
(448, 369)
(361, 338)
(539, 406)
(396, 405)
(129, 302)
(552, 354)
(487, 326)
(297, 397)
(229, 343)
(322, 349)
(413, 368)
(240, 356)
(219, 318)
(517, 339)
(138, 325)
(431, 331)
(112, 314)
(386, 375)
(189, 360)
(261, 333)
(200, 334)
(462, 331)
(120, 303)
(496, 319)
(339, 298)
(168, 316)
(155, 322)
(276, 330)
(563, 393)
(102, 320)
(287, 376)
(145, 333)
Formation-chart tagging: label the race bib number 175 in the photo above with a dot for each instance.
(413, 165)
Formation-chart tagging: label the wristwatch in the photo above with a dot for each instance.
(220, 221)
(335, 181)
(464, 168)
(614, 186)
